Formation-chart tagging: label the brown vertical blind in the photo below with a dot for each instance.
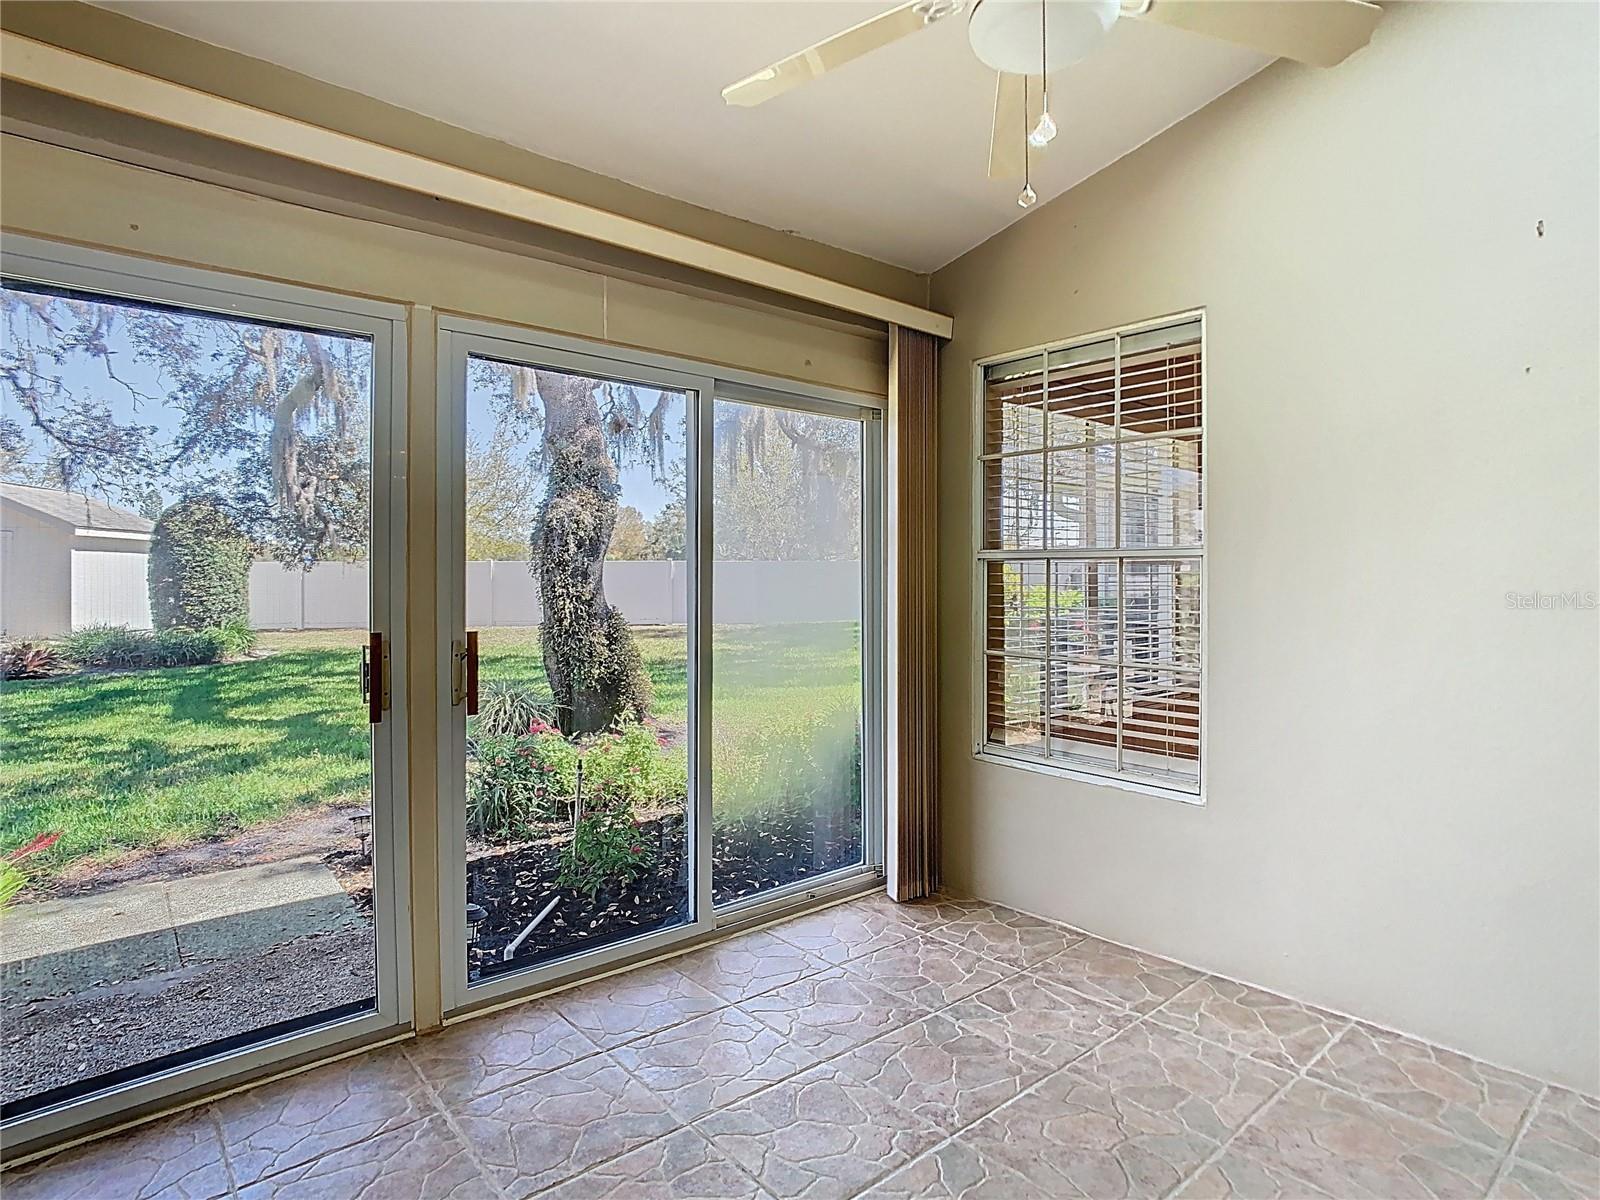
(915, 360)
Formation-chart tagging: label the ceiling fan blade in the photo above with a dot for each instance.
(1319, 33)
(827, 55)
(1018, 101)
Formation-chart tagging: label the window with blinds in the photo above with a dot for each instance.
(1091, 555)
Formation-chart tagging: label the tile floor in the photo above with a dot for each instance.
(945, 1049)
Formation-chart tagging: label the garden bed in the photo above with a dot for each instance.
(761, 852)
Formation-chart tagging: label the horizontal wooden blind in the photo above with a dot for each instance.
(1092, 553)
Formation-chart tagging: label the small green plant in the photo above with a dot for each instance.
(238, 639)
(113, 647)
(505, 708)
(29, 660)
(608, 846)
(516, 781)
(13, 878)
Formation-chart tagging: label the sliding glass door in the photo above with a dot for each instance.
(576, 663)
(661, 635)
(788, 492)
(198, 854)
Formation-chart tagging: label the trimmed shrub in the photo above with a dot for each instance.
(199, 573)
(112, 647)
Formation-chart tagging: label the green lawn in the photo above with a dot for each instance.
(161, 757)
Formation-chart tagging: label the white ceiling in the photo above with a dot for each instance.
(887, 156)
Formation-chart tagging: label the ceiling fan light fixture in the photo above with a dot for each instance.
(1005, 34)
(1027, 197)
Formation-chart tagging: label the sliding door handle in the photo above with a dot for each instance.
(375, 676)
(464, 673)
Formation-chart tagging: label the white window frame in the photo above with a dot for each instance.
(1080, 771)
(126, 277)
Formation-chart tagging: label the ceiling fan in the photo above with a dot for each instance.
(1025, 40)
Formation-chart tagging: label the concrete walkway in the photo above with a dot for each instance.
(58, 947)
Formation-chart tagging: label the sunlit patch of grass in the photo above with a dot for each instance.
(164, 757)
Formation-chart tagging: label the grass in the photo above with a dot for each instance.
(163, 757)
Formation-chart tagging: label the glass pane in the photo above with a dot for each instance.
(1083, 711)
(1082, 511)
(1083, 394)
(1013, 415)
(1083, 609)
(1161, 611)
(1016, 607)
(1161, 493)
(1015, 699)
(1161, 725)
(577, 759)
(1014, 502)
(186, 802)
(786, 670)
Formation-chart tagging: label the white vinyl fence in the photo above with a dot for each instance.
(110, 589)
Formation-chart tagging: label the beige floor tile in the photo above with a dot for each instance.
(818, 1136)
(928, 972)
(680, 1166)
(559, 1124)
(955, 1171)
(1236, 1176)
(748, 965)
(283, 1124)
(843, 932)
(492, 1051)
(1033, 1017)
(1272, 1028)
(1351, 1148)
(422, 1161)
(622, 1007)
(833, 1012)
(923, 914)
(712, 1061)
(1204, 1088)
(1481, 1103)
(1116, 975)
(1564, 1138)
(941, 1071)
(1007, 936)
(1072, 1137)
(176, 1159)
(1520, 1181)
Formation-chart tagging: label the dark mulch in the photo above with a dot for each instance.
(768, 850)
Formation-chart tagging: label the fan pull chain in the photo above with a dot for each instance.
(1045, 131)
(1027, 197)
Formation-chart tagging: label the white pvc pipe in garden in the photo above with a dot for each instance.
(511, 950)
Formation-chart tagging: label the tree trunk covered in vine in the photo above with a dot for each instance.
(590, 656)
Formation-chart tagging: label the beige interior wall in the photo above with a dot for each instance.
(1398, 263)
(118, 39)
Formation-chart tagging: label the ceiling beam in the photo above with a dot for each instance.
(80, 77)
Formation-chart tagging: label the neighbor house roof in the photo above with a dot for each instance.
(74, 509)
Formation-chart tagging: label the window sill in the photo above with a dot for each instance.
(1125, 783)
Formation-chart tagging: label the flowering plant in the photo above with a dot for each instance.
(608, 846)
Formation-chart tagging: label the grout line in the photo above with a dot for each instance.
(1256, 1113)
(222, 1149)
(1506, 1162)
(449, 1117)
